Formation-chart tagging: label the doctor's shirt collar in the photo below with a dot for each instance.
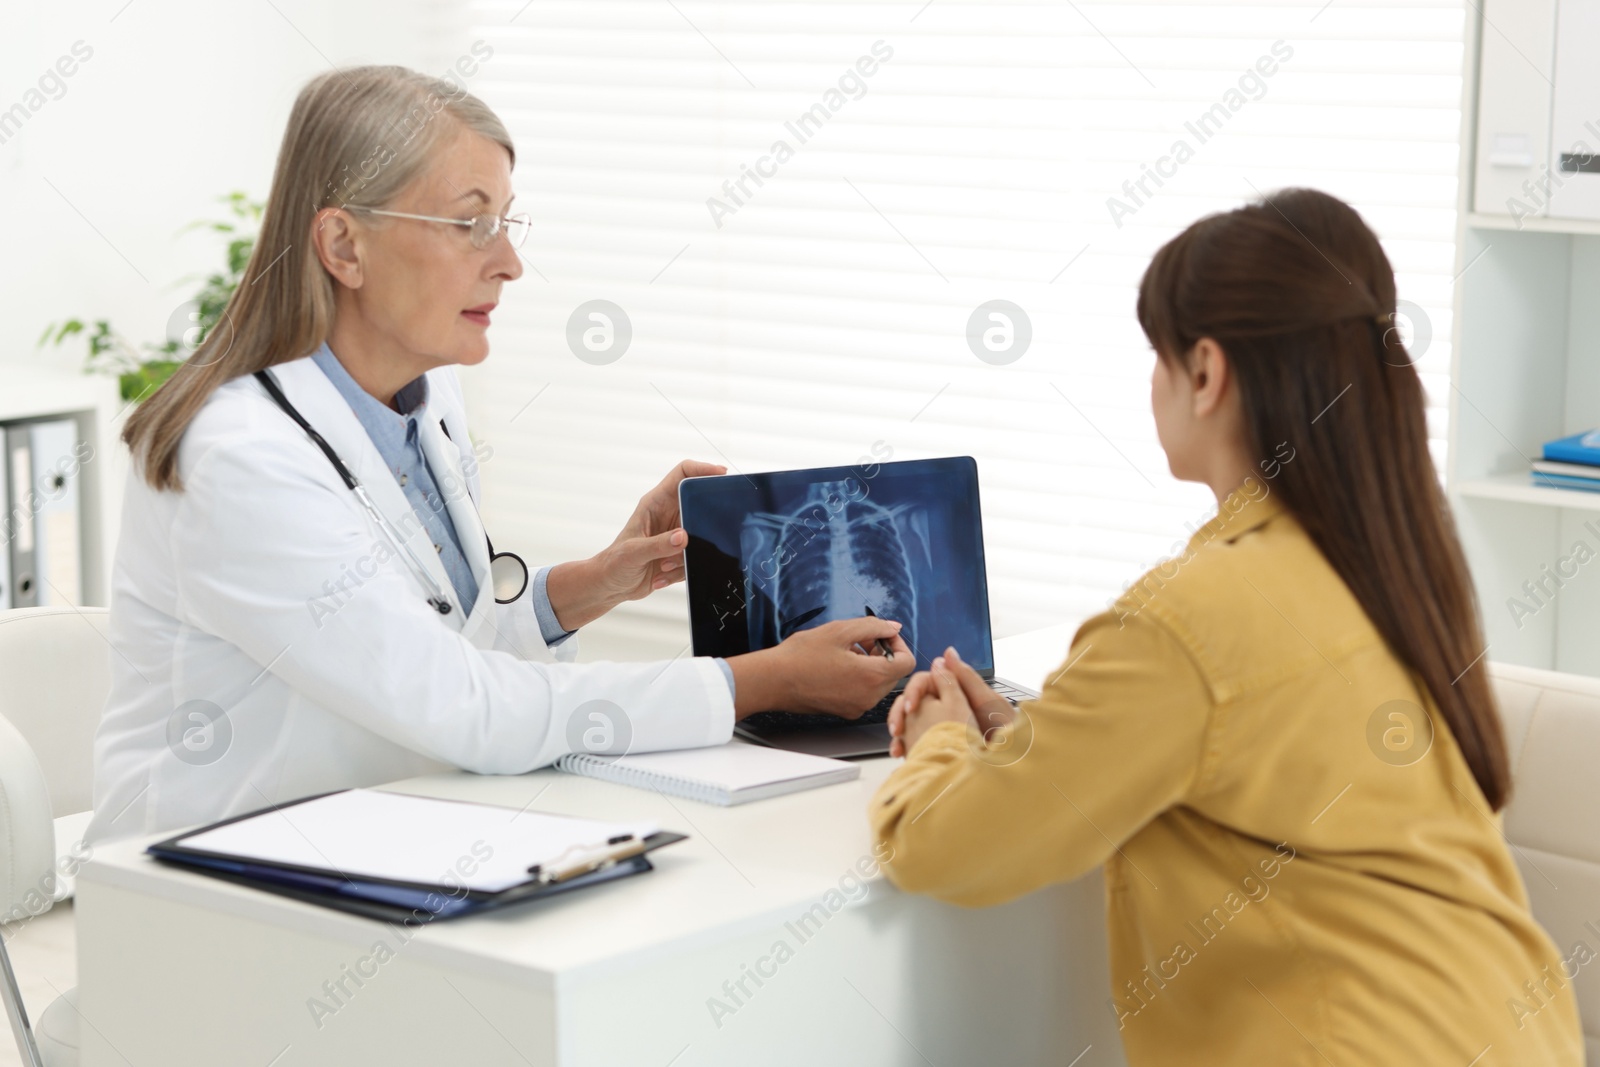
(372, 412)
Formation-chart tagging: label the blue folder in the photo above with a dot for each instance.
(1579, 448)
(1565, 481)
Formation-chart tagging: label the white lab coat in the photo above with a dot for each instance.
(264, 592)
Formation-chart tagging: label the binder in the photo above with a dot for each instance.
(58, 559)
(358, 891)
(19, 516)
(405, 905)
(7, 525)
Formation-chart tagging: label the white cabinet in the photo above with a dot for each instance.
(1538, 110)
(1526, 361)
(1513, 127)
(1575, 113)
(93, 403)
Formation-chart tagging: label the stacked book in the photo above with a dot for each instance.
(1570, 463)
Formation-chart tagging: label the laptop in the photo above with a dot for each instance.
(781, 551)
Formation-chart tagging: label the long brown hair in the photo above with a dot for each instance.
(1301, 298)
(356, 136)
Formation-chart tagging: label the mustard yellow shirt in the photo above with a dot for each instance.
(1295, 873)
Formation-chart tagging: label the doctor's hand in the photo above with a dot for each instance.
(647, 555)
(657, 512)
(835, 669)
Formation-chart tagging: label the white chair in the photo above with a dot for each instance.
(55, 672)
(1552, 723)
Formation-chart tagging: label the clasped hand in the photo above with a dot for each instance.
(951, 692)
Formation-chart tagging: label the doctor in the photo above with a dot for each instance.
(302, 596)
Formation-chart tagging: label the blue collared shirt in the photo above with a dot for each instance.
(396, 436)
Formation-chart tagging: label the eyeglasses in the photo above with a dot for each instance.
(484, 228)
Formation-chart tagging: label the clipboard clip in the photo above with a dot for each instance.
(586, 859)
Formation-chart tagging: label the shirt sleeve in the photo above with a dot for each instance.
(549, 626)
(550, 629)
(727, 672)
(1116, 737)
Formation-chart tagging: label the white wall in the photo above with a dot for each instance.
(182, 102)
(994, 157)
(179, 103)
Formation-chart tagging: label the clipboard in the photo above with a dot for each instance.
(385, 900)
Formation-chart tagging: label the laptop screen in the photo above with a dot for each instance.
(782, 551)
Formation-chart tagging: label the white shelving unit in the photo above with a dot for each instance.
(1525, 369)
(1518, 488)
(94, 403)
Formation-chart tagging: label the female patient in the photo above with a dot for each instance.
(1282, 743)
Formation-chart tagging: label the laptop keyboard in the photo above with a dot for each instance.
(767, 721)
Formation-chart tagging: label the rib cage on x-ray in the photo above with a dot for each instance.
(837, 551)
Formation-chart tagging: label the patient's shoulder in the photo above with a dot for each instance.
(1264, 598)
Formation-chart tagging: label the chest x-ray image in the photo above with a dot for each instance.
(771, 554)
(840, 554)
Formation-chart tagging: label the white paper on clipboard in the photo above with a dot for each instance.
(369, 833)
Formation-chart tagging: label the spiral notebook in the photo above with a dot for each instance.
(735, 773)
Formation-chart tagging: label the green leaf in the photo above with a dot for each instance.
(103, 339)
(239, 255)
(67, 329)
(146, 379)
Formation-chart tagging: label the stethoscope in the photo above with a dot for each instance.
(508, 574)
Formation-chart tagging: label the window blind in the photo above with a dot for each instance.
(804, 212)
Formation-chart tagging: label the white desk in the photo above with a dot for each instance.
(178, 969)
